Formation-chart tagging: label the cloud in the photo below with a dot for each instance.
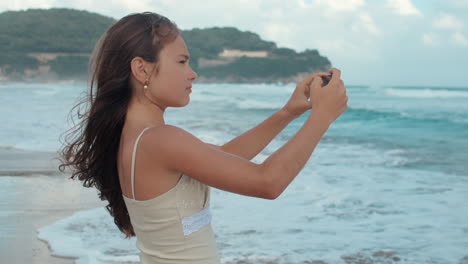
(450, 22)
(21, 4)
(403, 7)
(340, 5)
(450, 27)
(460, 39)
(282, 31)
(135, 6)
(430, 39)
(458, 4)
(365, 23)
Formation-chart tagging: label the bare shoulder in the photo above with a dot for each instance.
(169, 136)
(176, 137)
(172, 145)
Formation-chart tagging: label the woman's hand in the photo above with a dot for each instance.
(300, 99)
(329, 101)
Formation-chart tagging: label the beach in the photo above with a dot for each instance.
(39, 195)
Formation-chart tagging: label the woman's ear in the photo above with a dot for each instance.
(139, 71)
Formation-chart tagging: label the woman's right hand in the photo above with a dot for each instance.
(329, 101)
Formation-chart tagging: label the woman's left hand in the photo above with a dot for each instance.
(299, 101)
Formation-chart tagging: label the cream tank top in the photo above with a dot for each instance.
(174, 227)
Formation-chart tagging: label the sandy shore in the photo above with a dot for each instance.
(35, 195)
(17, 162)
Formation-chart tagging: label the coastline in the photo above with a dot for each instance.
(19, 162)
(36, 195)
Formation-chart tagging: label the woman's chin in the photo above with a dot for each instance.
(182, 104)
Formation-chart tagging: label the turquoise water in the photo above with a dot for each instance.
(387, 184)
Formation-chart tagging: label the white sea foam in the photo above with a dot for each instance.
(124, 259)
(360, 154)
(254, 260)
(257, 104)
(426, 93)
(211, 138)
(47, 91)
(91, 236)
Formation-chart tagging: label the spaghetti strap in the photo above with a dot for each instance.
(133, 161)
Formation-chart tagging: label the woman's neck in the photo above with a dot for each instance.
(145, 113)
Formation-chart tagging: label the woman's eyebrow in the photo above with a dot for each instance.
(185, 56)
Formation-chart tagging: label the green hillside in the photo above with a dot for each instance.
(56, 43)
(52, 30)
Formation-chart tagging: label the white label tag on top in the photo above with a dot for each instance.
(196, 221)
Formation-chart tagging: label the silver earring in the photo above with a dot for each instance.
(146, 85)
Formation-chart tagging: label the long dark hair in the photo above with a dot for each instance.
(91, 146)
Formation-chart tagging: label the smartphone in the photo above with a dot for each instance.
(326, 79)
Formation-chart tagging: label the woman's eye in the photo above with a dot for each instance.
(183, 62)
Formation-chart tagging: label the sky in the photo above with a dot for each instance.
(373, 42)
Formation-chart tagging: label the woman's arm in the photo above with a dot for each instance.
(250, 143)
(178, 150)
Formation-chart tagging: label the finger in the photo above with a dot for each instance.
(336, 74)
(343, 109)
(307, 91)
(344, 89)
(321, 74)
(310, 77)
(342, 92)
(316, 83)
(335, 71)
(345, 102)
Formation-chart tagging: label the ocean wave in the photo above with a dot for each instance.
(362, 154)
(363, 113)
(355, 209)
(426, 93)
(254, 260)
(258, 105)
(369, 113)
(8, 147)
(364, 256)
(30, 173)
(123, 259)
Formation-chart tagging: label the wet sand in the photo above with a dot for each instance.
(17, 162)
(34, 194)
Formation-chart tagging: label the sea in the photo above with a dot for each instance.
(388, 182)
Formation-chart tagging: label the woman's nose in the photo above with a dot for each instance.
(193, 75)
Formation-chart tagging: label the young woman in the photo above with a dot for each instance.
(156, 176)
